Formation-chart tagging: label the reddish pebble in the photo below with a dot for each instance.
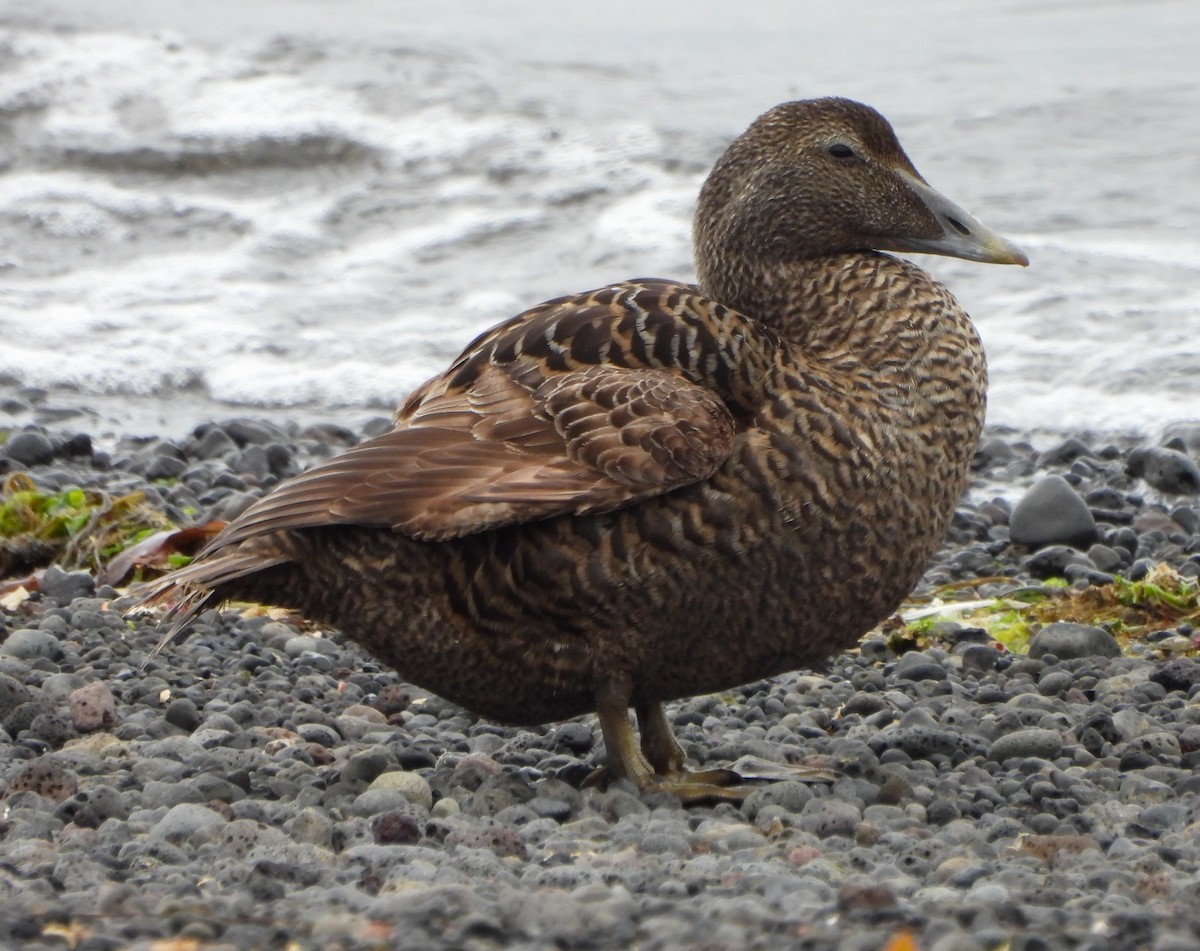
(92, 707)
(803, 854)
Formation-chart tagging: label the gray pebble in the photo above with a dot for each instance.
(1160, 745)
(1022, 744)
(65, 586)
(300, 644)
(1162, 817)
(257, 432)
(163, 467)
(367, 765)
(1186, 518)
(916, 665)
(89, 807)
(319, 733)
(576, 737)
(1055, 682)
(56, 688)
(1052, 513)
(1180, 674)
(414, 787)
(50, 728)
(311, 825)
(1067, 640)
(22, 716)
(29, 643)
(1064, 453)
(12, 695)
(1167, 470)
(252, 461)
(921, 741)
(791, 796)
(1104, 558)
(979, 658)
(184, 821)
(1056, 561)
(182, 712)
(829, 817)
(212, 442)
(28, 449)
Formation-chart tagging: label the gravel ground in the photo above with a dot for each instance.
(261, 784)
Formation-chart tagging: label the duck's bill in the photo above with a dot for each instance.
(962, 236)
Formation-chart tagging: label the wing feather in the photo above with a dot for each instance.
(582, 405)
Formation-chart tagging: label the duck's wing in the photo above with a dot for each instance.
(582, 405)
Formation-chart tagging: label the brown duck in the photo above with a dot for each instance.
(655, 490)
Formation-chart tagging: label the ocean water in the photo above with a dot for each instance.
(302, 208)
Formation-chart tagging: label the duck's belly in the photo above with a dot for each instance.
(523, 624)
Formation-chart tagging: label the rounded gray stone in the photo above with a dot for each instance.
(183, 821)
(28, 643)
(1167, 470)
(1052, 513)
(319, 733)
(1067, 640)
(413, 786)
(65, 586)
(299, 644)
(13, 694)
(29, 449)
(1043, 744)
(827, 817)
(92, 706)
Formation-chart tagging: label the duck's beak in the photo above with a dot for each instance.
(962, 235)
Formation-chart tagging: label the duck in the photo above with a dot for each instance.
(656, 490)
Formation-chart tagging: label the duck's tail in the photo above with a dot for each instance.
(208, 581)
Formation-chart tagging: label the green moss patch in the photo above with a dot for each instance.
(75, 528)
(1130, 610)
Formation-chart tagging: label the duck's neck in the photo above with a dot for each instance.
(853, 302)
(880, 324)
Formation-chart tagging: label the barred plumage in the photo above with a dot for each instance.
(653, 489)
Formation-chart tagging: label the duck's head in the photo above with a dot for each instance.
(820, 177)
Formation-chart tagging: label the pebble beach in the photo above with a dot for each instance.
(261, 783)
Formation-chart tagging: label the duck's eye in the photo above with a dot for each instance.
(840, 150)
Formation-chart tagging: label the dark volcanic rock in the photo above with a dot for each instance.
(1044, 744)
(1068, 641)
(1053, 562)
(66, 586)
(1168, 470)
(1052, 513)
(29, 448)
(1182, 674)
(1064, 453)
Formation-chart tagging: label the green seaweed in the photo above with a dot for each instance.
(73, 527)
(1159, 589)
(1127, 609)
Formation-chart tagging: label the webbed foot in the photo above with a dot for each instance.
(657, 763)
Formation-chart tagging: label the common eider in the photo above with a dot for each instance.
(655, 490)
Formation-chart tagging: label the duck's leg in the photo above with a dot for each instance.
(625, 756)
(655, 765)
